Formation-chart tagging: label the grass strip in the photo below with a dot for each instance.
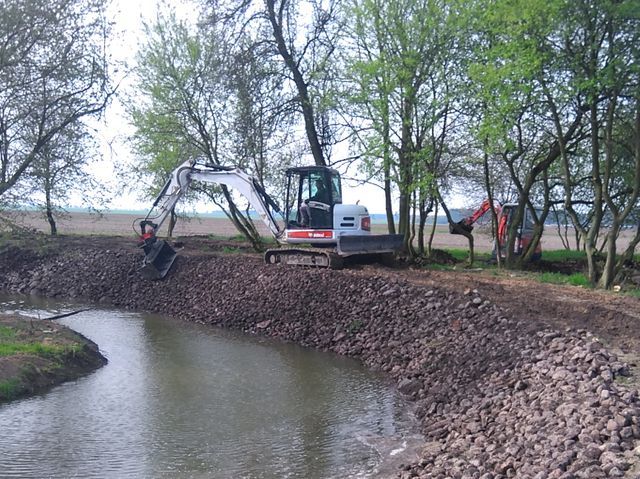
(38, 349)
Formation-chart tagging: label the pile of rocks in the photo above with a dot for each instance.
(495, 397)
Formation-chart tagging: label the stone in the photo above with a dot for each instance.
(409, 386)
(612, 425)
(495, 397)
(592, 452)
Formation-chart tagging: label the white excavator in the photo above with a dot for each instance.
(318, 229)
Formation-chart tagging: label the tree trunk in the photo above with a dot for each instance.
(596, 180)
(48, 203)
(456, 227)
(405, 166)
(432, 233)
(52, 222)
(301, 85)
(609, 270)
(391, 221)
(243, 224)
(421, 222)
(386, 165)
(628, 253)
(562, 233)
(173, 219)
(412, 226)
(494, 213)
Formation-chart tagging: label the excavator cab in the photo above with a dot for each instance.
(312, 193)
(524, 233)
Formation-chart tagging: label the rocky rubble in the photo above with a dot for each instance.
(496, 398)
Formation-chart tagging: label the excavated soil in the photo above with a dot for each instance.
(509, 378)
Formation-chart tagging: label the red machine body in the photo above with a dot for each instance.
(505, 214)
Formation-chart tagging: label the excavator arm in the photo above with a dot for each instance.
(467, 223)
(180, 181)
(159, 255)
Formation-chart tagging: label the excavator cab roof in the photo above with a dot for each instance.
(312, 168)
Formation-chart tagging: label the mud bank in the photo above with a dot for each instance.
(41, 354)
(496, 397)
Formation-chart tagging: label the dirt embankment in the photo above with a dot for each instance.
(38, 354)
(497, 395)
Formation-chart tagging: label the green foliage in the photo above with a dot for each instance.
(634, 293)
(169, 65)
(207, 95)
(9, 388)
(403, 78)
(509, 55)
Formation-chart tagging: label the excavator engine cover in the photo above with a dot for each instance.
(158, 258)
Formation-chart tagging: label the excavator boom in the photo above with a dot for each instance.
(159, 255)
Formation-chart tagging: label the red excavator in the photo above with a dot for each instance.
(505, 214)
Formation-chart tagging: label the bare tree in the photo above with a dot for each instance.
(60, 170)
(53, 72)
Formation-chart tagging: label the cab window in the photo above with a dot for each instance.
(318, 188)
(336, 189)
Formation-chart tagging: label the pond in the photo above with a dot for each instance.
(185, 400)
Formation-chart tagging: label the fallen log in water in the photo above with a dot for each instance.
(64, 315)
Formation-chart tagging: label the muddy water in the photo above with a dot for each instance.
(183, 400)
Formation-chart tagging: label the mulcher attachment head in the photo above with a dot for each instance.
(158, 259)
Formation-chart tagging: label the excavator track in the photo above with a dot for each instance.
(315, 257)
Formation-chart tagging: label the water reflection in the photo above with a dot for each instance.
(182, 400)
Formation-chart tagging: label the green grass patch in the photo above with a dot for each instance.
(462, 255)
(9, 388)
(483, 261)
(6, 333)
(634, 293)
(560, 255)
(575, 279)
(458, 254)
(38, 349)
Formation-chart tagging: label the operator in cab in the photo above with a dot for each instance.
(321, 195)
